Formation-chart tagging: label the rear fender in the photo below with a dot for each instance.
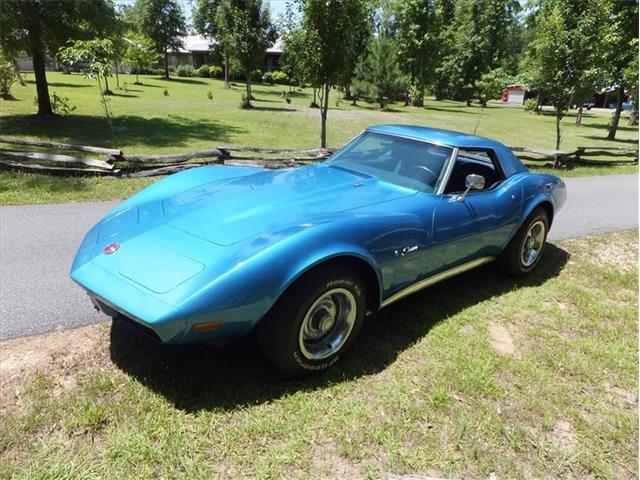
(547, 189)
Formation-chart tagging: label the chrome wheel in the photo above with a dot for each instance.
(327, 324)
(533, 243)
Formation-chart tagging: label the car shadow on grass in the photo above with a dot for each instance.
(203, 377)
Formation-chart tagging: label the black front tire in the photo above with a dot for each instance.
(279, 333)
(511, 259)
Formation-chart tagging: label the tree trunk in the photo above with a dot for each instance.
(323, 116)
(106, 86)
(419, 100)
(579, 116)
(347, 92)
(558, 118)
(137, 79)
(539, 106)
(247, 102)
(117, 77)
(166, 63)
(226, 71)
(39, 70)
(616, 115)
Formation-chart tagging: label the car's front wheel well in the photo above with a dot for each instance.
(549, 209)
(359, 266)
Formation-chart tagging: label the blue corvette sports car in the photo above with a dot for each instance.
(303, 255)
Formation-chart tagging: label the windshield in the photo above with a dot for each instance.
(403, 161)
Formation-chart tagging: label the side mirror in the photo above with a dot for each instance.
(473, 181)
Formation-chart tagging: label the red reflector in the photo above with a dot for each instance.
(111, 248)
(203, 327)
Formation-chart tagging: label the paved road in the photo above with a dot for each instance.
(597, 205)
(37, 244)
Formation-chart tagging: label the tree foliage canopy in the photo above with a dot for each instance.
(41, 27)
(163, 22)
(378, 76)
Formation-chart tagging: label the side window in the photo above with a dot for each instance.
(480, 162)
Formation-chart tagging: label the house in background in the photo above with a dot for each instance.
(196, 52)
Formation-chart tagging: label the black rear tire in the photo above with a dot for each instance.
(281, 333)
(514, 259)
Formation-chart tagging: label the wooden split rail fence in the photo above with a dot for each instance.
(580, 156)
(118, 164)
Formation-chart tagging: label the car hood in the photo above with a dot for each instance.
(270, 201)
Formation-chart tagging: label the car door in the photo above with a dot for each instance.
(467, 227)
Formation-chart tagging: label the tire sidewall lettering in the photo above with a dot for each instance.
(315, 367)
(348, 284)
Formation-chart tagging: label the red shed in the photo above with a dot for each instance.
(513, 94)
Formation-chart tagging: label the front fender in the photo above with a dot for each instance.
(243, 295)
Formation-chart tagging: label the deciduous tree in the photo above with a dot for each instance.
(478, 35)
(163, 22)
(210, 22)
(565, 52)
(621, 53)
(329, 34)
(248, 33)
(140, 52)
(418, 33)
(40, 27)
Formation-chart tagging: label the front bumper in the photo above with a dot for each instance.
(114, 298)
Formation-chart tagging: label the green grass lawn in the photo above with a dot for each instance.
(146, 121)
(534, 378)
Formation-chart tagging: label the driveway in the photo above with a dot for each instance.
(37, 244)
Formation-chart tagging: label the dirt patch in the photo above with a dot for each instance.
(468, 330)
(58, 355)
(374, 115)
(501, 340)
(564, 436)
(623, 397)
(620, 255)
(330, 464)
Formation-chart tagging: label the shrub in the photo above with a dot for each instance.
(215, 71)
(417, 95)
(236, 74)
(184, 71)
(491, 84)
(268, 77)
(530, 104)
(60, 105)
(280, 77)
(7, 77)
(202, 71)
